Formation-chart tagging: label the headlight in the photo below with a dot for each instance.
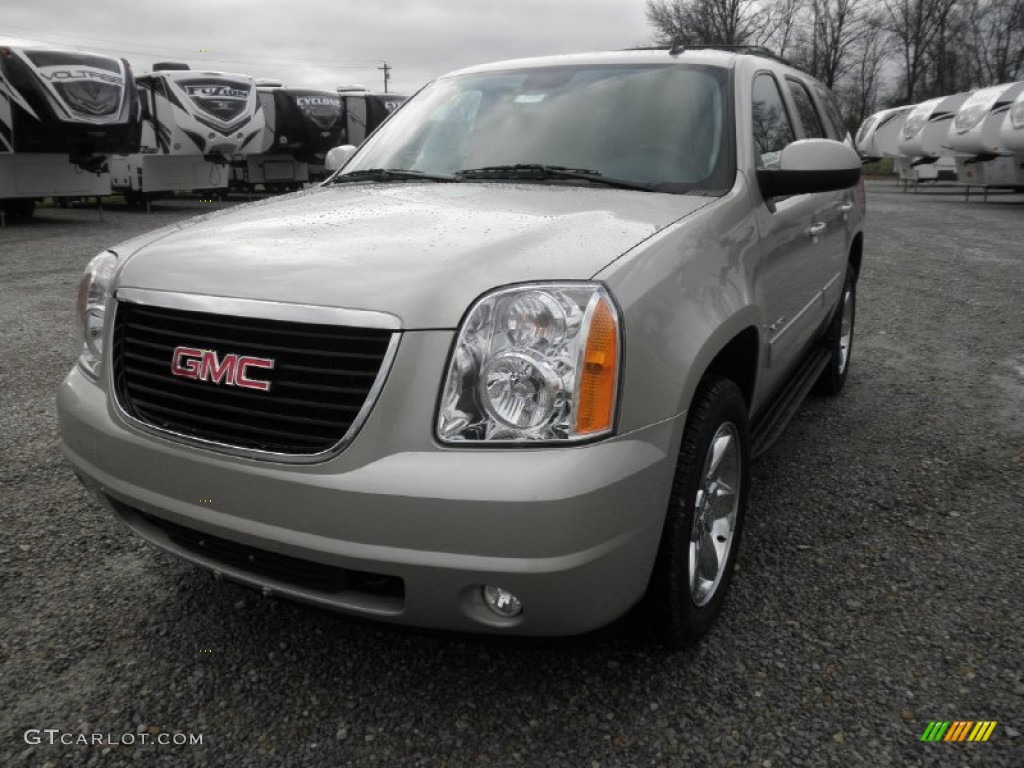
(974, 110)
(93, 292)
(1017, 112)
(534, 362)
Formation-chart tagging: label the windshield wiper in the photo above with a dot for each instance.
(391, 174)
(538, 171)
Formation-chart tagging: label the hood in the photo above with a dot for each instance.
(417, 250)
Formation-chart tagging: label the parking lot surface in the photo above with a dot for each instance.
(879, 586)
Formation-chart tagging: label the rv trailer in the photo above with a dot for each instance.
(881, 134)
(1011, 134)
(301, 125)
(864, 133)
(365, 111)
(878, 135)
(61, 112)
(924, 140)
(193, 123)
(982, 158)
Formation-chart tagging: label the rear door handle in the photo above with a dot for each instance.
(844, 209)
(816, 230)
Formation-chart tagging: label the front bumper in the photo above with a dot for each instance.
(572, 531)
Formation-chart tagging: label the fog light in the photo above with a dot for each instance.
(502, 602)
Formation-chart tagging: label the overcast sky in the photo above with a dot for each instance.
(324, 43)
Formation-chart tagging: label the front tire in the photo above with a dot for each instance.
(700, 540)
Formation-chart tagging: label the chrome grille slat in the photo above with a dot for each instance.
(206, 339)
(219, 322)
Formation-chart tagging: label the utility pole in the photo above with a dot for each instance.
(386, 68)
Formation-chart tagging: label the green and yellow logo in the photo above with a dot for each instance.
(958, 730)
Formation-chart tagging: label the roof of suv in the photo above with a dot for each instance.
(707, 56)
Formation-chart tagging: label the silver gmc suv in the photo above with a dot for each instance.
(507, 369)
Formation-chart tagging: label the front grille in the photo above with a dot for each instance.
(294, 571)
(321, 379)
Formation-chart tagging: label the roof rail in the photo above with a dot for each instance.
(674, 50)
(753, 50)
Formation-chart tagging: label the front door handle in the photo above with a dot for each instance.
(816, 230)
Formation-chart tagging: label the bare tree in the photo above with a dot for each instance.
(946, 73)
(941, 46)
(995, 40)
(785, 18)
(914, 25)
(860, 91)
(837, 26)
(708, 22)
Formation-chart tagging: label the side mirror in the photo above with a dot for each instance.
(811, 165)
(338, 156)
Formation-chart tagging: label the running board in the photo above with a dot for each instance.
(776, 415)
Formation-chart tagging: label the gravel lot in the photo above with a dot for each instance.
(879, 588)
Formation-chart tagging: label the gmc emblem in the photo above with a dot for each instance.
(232, 369)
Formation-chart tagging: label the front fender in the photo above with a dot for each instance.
(684, 294)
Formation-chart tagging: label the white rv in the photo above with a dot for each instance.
(871, 139)
(301, 125)
(193, 123)
(1011, 133)
(878, 135)
(924, 139)
(983, 160)
(881, 135)
(61, 112)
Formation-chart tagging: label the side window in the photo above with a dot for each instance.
(833, 118)
(813, 129)
(771, 126)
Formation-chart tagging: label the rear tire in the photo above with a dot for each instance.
(701, 537)
(838, 339)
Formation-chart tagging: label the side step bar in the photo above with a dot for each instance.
(776, 415)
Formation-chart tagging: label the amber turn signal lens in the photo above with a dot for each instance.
(600, 372)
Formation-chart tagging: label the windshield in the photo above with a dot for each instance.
(663, 125)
